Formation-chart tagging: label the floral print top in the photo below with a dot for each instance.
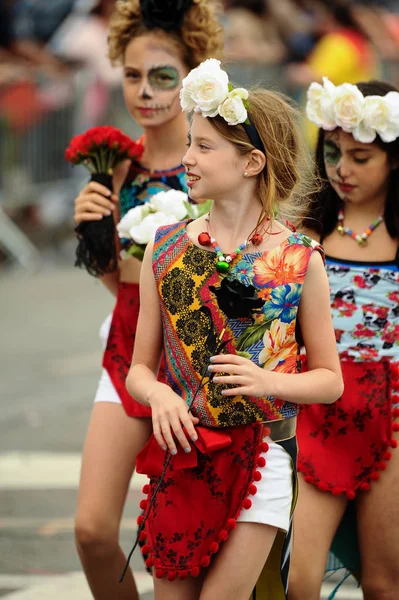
(141, 184)
(183, 273)
(365, 309)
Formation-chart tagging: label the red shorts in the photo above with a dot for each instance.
(120, 344)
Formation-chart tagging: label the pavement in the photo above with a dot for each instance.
(50, 360)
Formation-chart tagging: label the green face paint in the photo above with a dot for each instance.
(164, 78)
(331, 153)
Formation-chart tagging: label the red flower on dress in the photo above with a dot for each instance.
(101, 149)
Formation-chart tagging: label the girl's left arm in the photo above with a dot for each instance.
(323, 382)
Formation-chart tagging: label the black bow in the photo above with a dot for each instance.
(165, 14)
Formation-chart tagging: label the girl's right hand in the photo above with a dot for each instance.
(95, 201)
(169, 416)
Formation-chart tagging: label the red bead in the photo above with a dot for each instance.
(183, 574)
(257, 476)
(261, 462)
(257, 239)
(143, 504)
(365, 487)
(159, 573)
(264, 447)
(336, 491)
(145, 549)
(204, 238)
(395, 427)
(350, 494)
(323, 487)
(231, 524)
(146, 489)
(266, 431)
(252, 489)
(171, 575)
(194, 572)
(140, 519)
(375, 476)
(214, 547)
(142, 536)
(394, 444)
(309, 479)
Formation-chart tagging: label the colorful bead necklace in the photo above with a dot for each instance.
(361, 238)
(223, 260)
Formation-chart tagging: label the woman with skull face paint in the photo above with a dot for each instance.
(157, 42)
(349, 470)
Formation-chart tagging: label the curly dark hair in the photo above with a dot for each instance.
(200, 36)
(324, 205)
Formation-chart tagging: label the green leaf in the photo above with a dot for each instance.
(252, 334)
(245, 355)
(136, 250)
(230, 87)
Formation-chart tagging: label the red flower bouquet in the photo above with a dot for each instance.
(100, 150)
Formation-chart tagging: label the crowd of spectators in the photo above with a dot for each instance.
(56, 80)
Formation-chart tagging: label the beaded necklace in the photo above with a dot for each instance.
(360, 238)
(223, 260)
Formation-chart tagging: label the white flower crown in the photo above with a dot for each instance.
(330, 106)
(206, 90)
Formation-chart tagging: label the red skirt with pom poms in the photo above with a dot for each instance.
(202, 494)
(343, 447)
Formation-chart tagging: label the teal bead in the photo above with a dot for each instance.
(222, 266)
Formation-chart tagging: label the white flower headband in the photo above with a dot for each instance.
(206, 90)
(330, 106)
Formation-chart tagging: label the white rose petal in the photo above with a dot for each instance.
(320, 105)
(145, 231)
(240, 92)
(186, 100)
(171, 202)
(348, 106)
(133, 217)
(233, 110)
(364, 134)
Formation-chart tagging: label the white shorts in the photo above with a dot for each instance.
(106, 391)
(271, 504)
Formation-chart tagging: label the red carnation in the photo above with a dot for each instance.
(101, 149)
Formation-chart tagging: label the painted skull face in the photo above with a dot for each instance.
(153, 73)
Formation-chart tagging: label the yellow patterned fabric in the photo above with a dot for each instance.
(192, 318)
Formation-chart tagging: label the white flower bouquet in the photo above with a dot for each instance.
(141, 222)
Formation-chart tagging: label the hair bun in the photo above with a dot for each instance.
(165, 14)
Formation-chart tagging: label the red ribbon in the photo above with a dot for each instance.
(150, 460)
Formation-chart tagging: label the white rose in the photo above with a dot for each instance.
(145, 231)
(196, 94)
(348, 106)
(171, 202)
(320, 105)
(382, 114)
(233, 110)
(133, 217)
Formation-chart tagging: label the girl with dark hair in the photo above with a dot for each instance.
(347, 462)
(217, 517)
(157, 42)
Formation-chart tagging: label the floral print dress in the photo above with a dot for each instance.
(345, 447)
